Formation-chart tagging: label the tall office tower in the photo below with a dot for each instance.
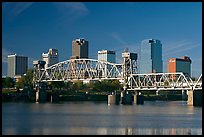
(150, 56)
(52, 57)
(17, 65)
(106, 55)
(80, 48)
(182, 64)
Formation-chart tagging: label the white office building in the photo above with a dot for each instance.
(17, 65)
(107, 55)
(52, 57)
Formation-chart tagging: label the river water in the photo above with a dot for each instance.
(97, 118)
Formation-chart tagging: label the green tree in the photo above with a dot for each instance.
(116, 85)
(78, 85)
(19, 84)
(8, 82)
(56, 85)
(68, 85)
(90, 86)
(97, 86)
(28, 78)
(107, 86)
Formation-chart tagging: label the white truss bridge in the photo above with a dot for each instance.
(80, 69)
(90, 69)
(163, 81)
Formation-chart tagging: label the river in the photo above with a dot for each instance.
(97, 118)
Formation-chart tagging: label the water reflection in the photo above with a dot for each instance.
(110, 131)
(87, 118)
(137, 131)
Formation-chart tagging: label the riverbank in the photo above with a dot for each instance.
(29, 96)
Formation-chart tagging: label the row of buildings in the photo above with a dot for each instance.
(150, 58)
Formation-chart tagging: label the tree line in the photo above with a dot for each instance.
(105, 86)
(26, 80)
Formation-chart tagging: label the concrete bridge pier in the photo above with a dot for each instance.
(126, 97)
(157, 92)
(113, 99)
(184, 95)
(194, 97)
(41, 95)
(54, 97)
(138, 98)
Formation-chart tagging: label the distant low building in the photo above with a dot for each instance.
(39, 64)
(17, 78)
(182, 64)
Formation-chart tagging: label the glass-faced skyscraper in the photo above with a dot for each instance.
(17, 65)
(150, 56)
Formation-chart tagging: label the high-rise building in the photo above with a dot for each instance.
(182, 64)
(80, 48)
(52, 57)
(17, 65)
(150, 56)
(106, 55)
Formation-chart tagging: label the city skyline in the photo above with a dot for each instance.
(29, 28)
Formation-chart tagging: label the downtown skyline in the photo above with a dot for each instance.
(31, 28)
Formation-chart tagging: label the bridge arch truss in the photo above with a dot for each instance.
(79, 69)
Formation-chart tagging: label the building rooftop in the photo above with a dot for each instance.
(106, 52)
(151, 40)
(183, 58)
(13, 55)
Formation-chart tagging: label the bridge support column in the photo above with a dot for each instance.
(54, 97)
(113, 99)
(126, 98)
(184, 95)
(157, 92)
(138, 99)
(41, 95)
(190, 97)
(195, 97)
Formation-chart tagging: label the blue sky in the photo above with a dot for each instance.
(31, 28)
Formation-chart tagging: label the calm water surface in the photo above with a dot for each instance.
(86, 118)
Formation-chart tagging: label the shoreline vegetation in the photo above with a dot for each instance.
(12, 95)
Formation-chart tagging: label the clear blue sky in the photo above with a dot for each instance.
(31, 28)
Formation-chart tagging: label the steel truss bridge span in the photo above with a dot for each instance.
(91, 69)
(79, 69)
(163, 81)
